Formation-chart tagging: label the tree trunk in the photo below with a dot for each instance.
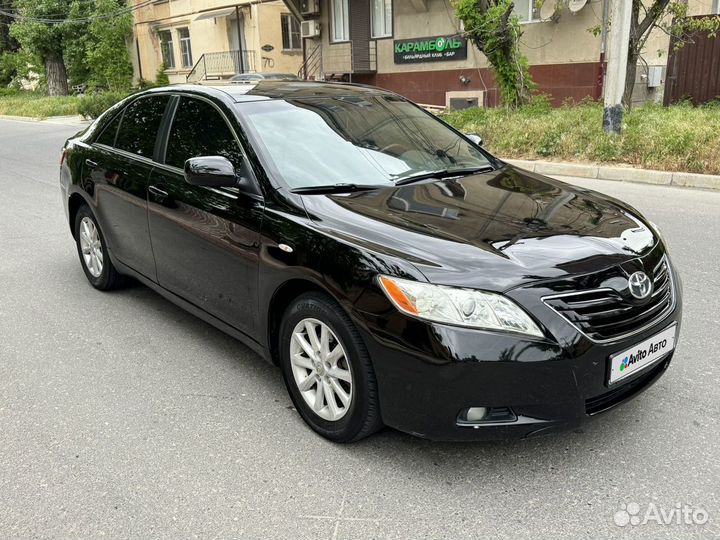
(630, 73)
(56, 75)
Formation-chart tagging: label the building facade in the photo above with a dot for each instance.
(197, 40)
(417, 48)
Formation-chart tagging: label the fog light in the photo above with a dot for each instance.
(479, 416)
(476, 414)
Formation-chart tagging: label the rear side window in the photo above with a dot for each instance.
(199, 130)
(107, 136)
(140, 125)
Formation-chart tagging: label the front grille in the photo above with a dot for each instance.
(617, 395)
(604, 314)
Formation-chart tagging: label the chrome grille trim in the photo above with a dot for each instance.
(663, 286)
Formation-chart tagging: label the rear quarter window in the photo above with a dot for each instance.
(107, 136)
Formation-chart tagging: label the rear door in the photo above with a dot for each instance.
(205, 240)
(117, 170)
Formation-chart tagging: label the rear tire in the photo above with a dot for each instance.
(347, 408)
(94, 257)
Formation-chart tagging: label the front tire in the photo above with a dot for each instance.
(327, 369)
(93, 252)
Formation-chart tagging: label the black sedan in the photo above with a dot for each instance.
(396, 272)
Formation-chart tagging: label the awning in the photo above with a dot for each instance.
(215, 13)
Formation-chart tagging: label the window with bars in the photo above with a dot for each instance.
(290, 32)
(166, 48)
(185, 47)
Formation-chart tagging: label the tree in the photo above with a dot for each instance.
(46, 41)
(107, 48)
(495, 30)
(8, 47)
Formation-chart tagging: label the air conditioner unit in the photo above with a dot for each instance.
(310, 7)
(310, 29)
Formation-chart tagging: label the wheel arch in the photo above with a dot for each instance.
(280, 300)
(75, 201)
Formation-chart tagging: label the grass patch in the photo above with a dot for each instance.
(676, 138)
(36, 105)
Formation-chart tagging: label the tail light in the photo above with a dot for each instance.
(63, 157)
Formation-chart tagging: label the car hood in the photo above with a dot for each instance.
(494, 231)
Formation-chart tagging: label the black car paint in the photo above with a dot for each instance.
(216, 254)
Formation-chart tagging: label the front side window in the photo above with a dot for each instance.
(166, 48)
(185, 48)
(140, 124)
(527, 10)
(363, 140)
(198, 129)
(340, 20)
(290, 32)
(381, 18)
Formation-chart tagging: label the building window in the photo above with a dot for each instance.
(166, 47)
(381, 18)
(340, 20)
(716, 7)
(185, 48)
(527, 10)
(290, 32)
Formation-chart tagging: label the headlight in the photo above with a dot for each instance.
(463, 307)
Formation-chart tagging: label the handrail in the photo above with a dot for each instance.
(222, 65)
(312, 66)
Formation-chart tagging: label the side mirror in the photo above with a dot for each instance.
(210, 171)
(477, 139)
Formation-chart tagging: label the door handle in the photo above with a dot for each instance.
(90, 163)
(159, 193)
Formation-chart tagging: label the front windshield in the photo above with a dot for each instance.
(361, 140)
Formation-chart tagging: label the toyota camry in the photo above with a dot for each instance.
(395, 271)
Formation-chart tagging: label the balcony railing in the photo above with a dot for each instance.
(222, 65)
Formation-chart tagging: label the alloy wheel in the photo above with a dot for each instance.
(321, 369)
(91, 247)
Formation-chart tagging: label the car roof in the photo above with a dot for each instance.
(276, 89)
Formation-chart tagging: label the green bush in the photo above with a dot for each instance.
(93, 105)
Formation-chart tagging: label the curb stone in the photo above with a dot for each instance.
(623, 174)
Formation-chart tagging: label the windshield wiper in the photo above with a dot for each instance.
(443, 173)
(336, 188)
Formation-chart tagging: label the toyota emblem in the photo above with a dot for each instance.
(640, 285)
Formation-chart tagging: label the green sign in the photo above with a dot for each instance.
(430, 49)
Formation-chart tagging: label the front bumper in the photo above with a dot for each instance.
(428, 373)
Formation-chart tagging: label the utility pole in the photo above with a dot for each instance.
(617, 65)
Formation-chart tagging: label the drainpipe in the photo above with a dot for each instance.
(139, 62)
(239, 31)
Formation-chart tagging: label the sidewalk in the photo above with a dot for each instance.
(623, 174)
(76, 120)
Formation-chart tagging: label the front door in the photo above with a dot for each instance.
(205, 240)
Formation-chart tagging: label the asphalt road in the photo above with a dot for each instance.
(123, 416)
